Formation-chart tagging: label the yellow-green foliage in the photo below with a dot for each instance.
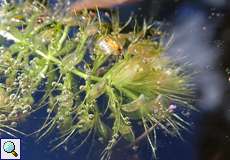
(138, 82)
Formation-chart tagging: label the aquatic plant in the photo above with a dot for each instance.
(77, 61)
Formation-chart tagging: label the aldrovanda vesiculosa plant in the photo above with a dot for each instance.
(77, 60)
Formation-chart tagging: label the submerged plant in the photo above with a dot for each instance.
(76, 62)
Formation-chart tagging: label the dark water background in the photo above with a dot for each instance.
(207, 47)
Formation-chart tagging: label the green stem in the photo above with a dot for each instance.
(80, 50)
(48, 57)
(85, 76)
(39, 28)
(56, 61)
(63, 38)
(74, 71)
(128, 93)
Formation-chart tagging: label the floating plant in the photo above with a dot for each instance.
(78, 60)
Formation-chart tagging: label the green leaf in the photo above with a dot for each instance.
(127, 133)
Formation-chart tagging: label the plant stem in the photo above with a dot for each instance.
(127, 92)
(74, 71)
(142, 136)
(63, 38)
(51, 58)
(48, 57)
